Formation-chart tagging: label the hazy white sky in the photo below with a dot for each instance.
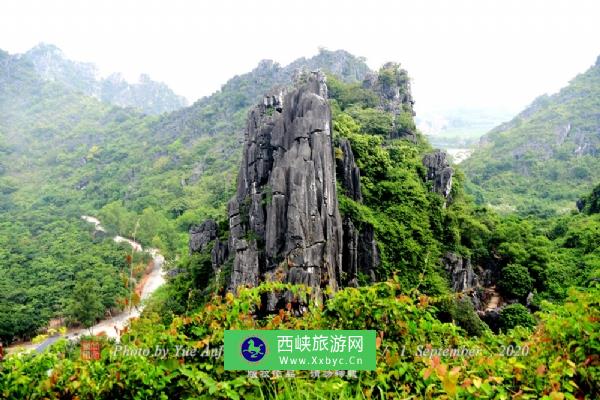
(474, 53)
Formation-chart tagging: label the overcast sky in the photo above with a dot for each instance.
(472, 53)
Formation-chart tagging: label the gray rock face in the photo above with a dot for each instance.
(439, 172)
(219, 254)
(284, 219)
(368, 253)
(461, 272)
(201, 235)
(348, 172)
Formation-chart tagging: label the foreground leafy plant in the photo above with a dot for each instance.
(561, 360)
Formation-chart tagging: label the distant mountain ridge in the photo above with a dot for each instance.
(226, 108)
(147, 95)
(111, 153)
(547, 156)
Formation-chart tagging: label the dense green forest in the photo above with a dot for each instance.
(546, 157)
(156, 176)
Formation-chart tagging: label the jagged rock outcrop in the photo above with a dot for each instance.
(348, 172)
(477, 284)
(219, 254)
(284, 219)
(392, 84)
(360, 254)
(439, 173)
(201, 235)
(462, 274)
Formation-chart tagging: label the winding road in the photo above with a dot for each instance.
(112, 326)
(153, 281)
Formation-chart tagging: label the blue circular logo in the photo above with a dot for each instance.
(253, 349)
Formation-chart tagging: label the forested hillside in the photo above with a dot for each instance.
(545, 158)
(421, 263)
(64, 154)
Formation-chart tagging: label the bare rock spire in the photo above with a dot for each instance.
(284, 219)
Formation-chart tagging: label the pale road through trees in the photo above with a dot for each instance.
(113, 325)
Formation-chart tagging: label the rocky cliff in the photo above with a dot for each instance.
(392, 85)
(284, 220)
(439, 173)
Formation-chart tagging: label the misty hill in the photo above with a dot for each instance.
(461, 126)
(226, 109)
(146, 95)
(546, 157)
(108, 153)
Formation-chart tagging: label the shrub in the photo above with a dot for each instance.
(466, 317)
(515, 315)
(372, 121)
(544, 369)
(516, 281)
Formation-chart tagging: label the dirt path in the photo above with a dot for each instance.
(494, 300)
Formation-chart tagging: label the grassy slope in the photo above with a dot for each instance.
(545, 158)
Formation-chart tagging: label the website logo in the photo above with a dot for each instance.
(253, 349)
(276, 350)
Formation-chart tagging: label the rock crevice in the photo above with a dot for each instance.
(348, 172)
